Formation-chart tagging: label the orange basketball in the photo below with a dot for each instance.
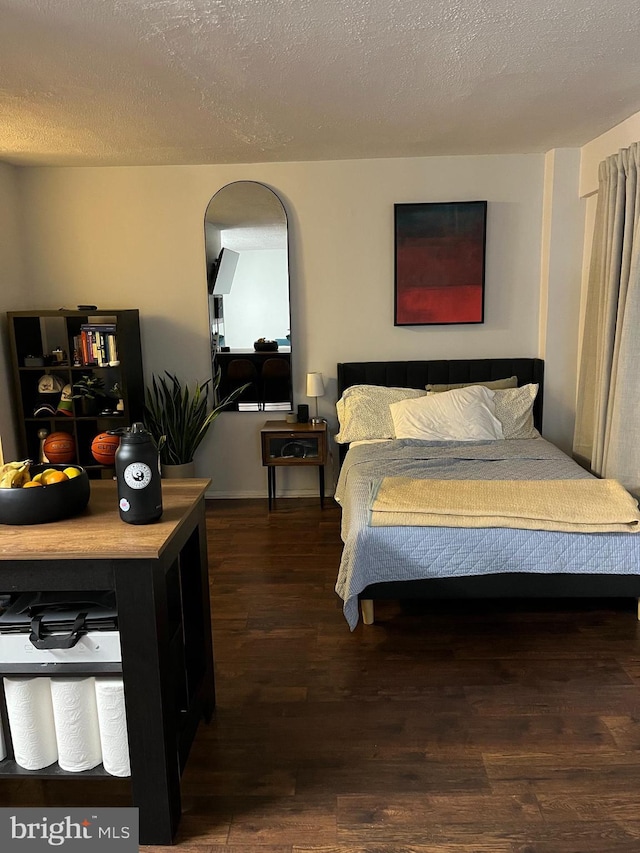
(103, 448)
(60, 447)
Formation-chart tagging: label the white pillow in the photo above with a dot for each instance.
(464, 414)
(514, 410)
(363, 411)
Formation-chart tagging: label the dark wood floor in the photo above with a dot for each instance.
(457, 728)
(497, 728)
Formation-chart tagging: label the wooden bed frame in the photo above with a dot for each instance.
(417, 374)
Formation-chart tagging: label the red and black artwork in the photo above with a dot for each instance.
(439, 264)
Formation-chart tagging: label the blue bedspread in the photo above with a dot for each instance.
(379, 554)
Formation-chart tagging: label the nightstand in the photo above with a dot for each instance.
(295, 445)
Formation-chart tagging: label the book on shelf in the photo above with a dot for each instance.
(99, 327)
(85, 349)
(112, 349)
(98, 344)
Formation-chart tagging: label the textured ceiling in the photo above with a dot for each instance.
(227, 81)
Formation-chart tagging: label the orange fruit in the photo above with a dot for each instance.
(32, 483)
(53, 476)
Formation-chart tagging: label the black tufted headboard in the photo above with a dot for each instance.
(417, 374)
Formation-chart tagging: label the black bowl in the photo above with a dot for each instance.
(266, 346)
(45, 503)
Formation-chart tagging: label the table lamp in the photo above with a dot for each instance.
(315, 388)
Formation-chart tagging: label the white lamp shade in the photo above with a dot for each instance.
(315, 385)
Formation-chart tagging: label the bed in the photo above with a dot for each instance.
(403, 562)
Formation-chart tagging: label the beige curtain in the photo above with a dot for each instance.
(607, 432)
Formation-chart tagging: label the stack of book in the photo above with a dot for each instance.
(95, 346)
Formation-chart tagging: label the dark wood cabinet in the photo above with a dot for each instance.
(42, 342)
(159, 574)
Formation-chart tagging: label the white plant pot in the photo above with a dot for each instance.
(178, 472)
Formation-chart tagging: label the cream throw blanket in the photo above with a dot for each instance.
(571, 506)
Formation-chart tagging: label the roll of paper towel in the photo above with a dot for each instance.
(113, 726)
(31, 722)
(76, 721)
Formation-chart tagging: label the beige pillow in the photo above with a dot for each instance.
(494, 384)
(363, 411)
(514, 410)
(464, 414)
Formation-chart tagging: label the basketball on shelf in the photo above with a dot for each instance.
(59, 447)
(103, 448)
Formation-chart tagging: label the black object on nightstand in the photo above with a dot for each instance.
(293, 445)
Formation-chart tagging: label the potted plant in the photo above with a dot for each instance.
(89, 389)
(178, 417)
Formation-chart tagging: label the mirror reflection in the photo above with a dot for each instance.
(246, 244)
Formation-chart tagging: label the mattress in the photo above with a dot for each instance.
(381, 554)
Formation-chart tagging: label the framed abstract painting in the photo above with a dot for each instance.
(439, 262)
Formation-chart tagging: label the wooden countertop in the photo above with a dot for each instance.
(282, 350)
(99, 532)
(285, 426)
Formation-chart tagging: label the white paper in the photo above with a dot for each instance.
(31, 721)
(76, 723)
(113, 726)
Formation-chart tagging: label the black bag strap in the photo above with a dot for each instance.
(56, 641)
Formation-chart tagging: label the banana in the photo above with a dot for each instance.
(12, 466)
(8, 479)
(13, 475)
(23, 476)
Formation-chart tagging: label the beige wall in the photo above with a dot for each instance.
(15, 294)
(133, 237)
(560, 290)
(594, 152)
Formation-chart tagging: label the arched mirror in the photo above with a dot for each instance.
(246, 245)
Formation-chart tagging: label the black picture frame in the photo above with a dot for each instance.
(439, 271)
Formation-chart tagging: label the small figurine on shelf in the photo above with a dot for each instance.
(116, 393)
(42, 435)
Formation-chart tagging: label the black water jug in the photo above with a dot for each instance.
(138, 476)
